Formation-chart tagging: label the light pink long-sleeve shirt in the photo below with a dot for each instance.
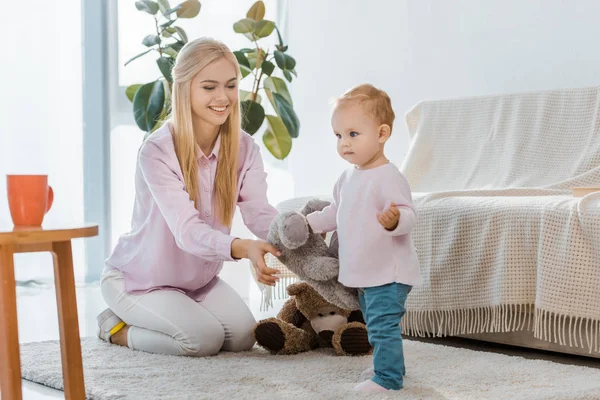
(369, 254)
(173, 245)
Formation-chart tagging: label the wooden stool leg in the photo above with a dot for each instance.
(10, 359)
(70, 345)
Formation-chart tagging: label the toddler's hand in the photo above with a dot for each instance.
(389, 218)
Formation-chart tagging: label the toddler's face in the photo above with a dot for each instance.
(358, 135)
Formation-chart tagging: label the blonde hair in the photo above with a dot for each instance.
(192, 58)
(375, 101)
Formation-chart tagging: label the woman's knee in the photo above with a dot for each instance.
(240, 336)
(201, 340)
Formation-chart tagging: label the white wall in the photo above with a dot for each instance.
(41, 119)
(426, 49)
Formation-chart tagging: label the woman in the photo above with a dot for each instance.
(161, 282)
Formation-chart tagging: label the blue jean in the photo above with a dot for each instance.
(383, 308)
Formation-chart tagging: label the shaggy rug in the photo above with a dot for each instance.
(433, 372)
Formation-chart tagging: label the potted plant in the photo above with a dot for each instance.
(151, 101)
(261, 64)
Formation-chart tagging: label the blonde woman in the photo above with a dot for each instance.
(161, 281)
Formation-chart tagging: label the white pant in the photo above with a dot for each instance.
(169, 322)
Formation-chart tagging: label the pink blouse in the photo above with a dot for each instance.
(172, 244)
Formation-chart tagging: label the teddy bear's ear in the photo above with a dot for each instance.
(314, 205)
(297, 288)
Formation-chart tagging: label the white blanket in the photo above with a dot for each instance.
(499, 234)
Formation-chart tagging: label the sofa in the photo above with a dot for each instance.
(507, 253)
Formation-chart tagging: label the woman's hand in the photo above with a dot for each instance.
(255, 251)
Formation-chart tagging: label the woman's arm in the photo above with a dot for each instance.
(255, 251)
(254, 205)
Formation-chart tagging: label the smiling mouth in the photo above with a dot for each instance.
(218, 109)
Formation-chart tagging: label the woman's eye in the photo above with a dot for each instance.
(209, 88)
(337, 135)
(353, 134)
(231, 87)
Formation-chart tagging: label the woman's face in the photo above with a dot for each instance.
(213, 92)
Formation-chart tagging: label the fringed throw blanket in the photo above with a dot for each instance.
(503, 246)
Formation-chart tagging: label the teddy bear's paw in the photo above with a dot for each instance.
(281, 337)
(352, 339)
(325, 338)
(270, 336)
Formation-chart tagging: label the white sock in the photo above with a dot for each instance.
(367, 373)
(369, 386)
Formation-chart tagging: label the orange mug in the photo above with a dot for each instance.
(29, 198)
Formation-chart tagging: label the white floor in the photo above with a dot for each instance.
(38, 321)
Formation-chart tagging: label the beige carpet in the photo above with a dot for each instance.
(434, 372)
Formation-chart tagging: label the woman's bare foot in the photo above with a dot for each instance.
(120, 337)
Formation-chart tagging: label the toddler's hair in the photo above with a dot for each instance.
(375, 101)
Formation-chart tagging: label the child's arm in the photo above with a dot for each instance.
(326, 219)
(399, 215)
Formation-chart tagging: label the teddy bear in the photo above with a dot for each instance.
(307, 254)
(307, 321)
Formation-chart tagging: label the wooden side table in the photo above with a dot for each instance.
(58, 242)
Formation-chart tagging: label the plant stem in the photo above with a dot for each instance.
(157, 34)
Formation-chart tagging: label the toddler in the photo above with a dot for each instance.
(373, 214)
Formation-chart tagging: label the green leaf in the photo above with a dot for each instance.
(245, 95)
(277, 85)
(245, 71)
(253, 115)
(169, 51)
(188, 9)
(177, 46)
(245, 25)
(149, 6)
(285, 111)
(281, 47)
(293, 71)
(241, 58)
(290, 62)
(264, 28)
(287, 75)
(284, 61)
(138, 56)
(151, 40)
(253, 57)
(148, 103)
(279, 59)
(247, 50)
(277, 139)
(251, 36)
(165, 64)
(131, 89)
(163, 5)
(169, 23)
(182, 34)
(257, 11)
(268, 67)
